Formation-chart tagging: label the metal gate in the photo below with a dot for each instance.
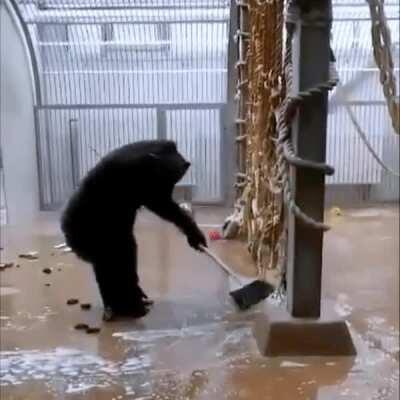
(110, 73)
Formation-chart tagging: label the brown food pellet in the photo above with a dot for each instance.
(81, 327)
(17, 266)
(46, 270)
(47, 284)
(92, 329)
(86, 306)
(71, 302)
(28, 256)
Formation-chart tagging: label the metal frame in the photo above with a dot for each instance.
(131, 7)
(161, 108)
(12, 7)
(228, 155)
(138, 22)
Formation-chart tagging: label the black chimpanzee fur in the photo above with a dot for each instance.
(98, 220)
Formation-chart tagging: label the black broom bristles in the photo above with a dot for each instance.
(251, 294)
(248, 295)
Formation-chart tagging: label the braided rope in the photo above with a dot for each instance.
(285, 152)
(366, 142)
(381, 42)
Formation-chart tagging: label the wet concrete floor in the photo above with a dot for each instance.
(193, 344)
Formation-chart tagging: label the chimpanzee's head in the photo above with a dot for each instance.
(168, 162)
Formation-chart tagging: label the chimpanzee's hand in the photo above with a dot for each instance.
(196, 239)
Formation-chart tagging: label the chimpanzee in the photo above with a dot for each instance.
(99, 218)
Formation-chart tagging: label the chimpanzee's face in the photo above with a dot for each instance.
(170, 164)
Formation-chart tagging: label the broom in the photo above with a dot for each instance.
(249, 294)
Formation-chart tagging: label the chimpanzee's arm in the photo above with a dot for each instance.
(170, 211)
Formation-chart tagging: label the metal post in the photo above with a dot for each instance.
(73, 136)
(40, 169)
(107, 34)
(310, 67)
(161, 124)
(228, 148)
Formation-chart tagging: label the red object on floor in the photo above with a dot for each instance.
(214, 235)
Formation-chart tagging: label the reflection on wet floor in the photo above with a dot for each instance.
(193, 344)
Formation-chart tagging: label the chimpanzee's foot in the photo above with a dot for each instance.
(133, 307)
(111, 314)
(145, 298)
(108, 314)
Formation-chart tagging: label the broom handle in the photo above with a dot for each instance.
(222, 264)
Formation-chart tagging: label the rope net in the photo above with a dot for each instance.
(260, 91)
(266, 108)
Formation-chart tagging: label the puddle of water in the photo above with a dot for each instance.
(24, 320)
(292, 364)
(342, 306)
(371, 213)
(365, 213)
(8, 290)
(218, 343)
(375, 368)
(381, 336)
(143, 370)
(75, 370)
(182, 363)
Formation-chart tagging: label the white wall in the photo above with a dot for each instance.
(17, 123)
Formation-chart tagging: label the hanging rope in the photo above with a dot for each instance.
(366, 142)
(265, 111)
(382, 46)
(263, 120)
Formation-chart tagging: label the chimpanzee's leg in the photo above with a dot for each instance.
(115, 269)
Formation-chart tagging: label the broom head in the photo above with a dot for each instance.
(251, 294)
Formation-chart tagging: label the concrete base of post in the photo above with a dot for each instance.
(279, 334)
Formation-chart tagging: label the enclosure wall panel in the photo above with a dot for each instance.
(360, 89)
